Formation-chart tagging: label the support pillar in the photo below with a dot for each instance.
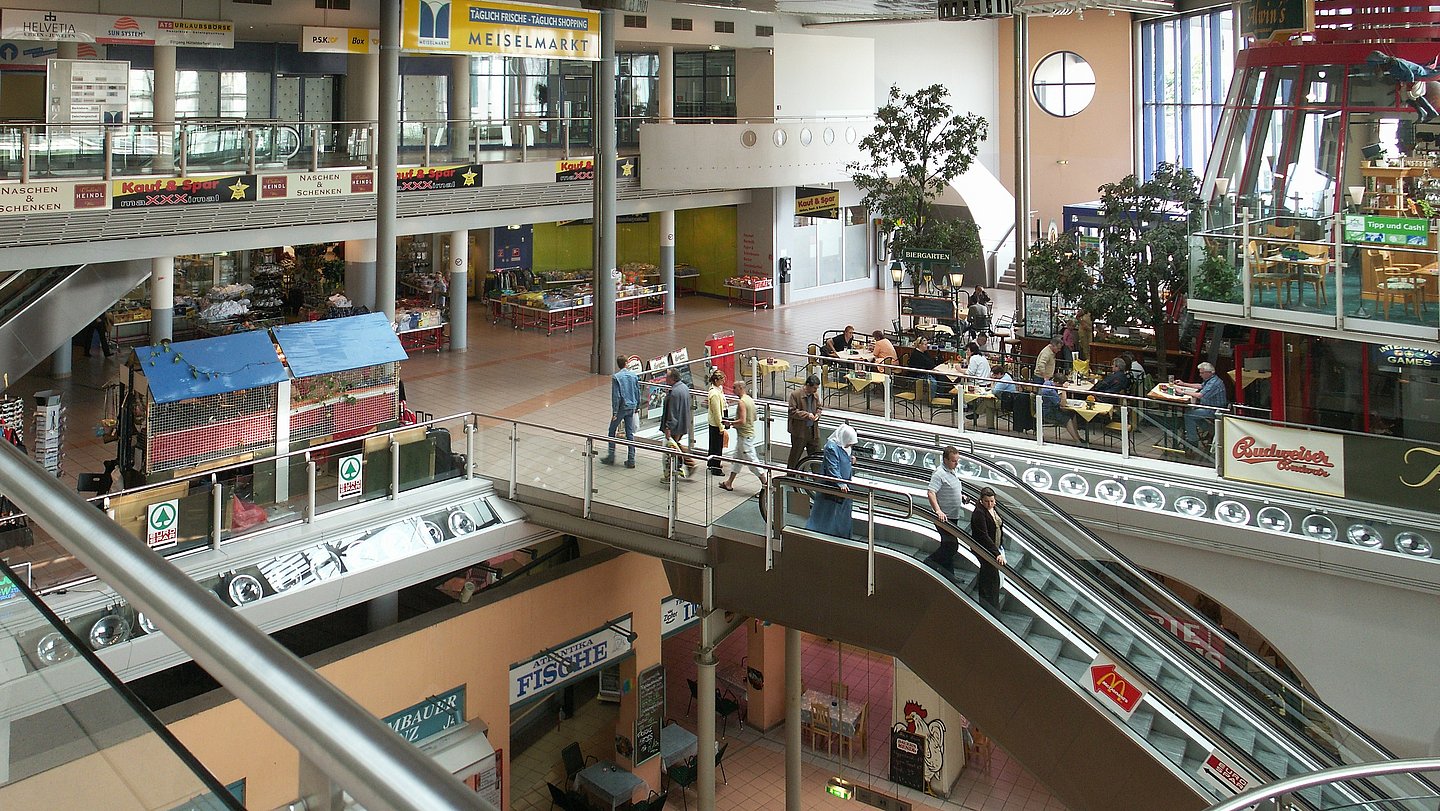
(458, 110)
(1022, 153)
(603, 352)
(382, 611)
(360, 272)
(792, 720)
(705, 719)
(667, 257)
(162, 299)
(164, 110)
(666, 89)
(387, 157)
(459, 288)
(61, 361)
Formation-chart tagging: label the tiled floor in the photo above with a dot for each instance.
(755, 762)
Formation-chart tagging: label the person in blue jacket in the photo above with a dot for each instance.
(831, 514)
(1412, 78)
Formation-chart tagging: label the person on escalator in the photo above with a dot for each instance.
(946, 494)
(830, 514)
(985, 524)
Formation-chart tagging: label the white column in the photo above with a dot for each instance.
(792, 721)
(362, 88)
(667, 257)
(282, 441)
(164, 99)
(360, 272)
(162, 298)
(61, 361)
(666, 90)
(458, 110)
(459, 287)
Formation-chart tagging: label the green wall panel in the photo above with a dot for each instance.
(704, 237)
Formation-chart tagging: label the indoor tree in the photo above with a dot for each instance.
(1143, 265)
(918, 146)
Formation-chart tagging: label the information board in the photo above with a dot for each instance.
(907, 759)
(649, 713)
(928, 307)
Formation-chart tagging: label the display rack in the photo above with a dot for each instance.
(49, 434)
(268, 298)
(758, 294)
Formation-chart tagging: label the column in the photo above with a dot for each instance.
(162, 298)
(602, 357)
(164, 116)
(667, 257)
(792, 720)
(458, 110)
(60, 362)
(1022, 153)
(387, 157)
(666, 89)
(360, 272)
(459, 285)
(382, 611)
(705, 719)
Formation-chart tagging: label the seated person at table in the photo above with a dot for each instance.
(883, 349)
(1209, 392)
(977, 365)
(978, 316)
(840, 343)
(1117, 382)
(979, 296)
(921, 360)
(1004, 387)
(1052, 397)
(1136, 369)
(1053, 357)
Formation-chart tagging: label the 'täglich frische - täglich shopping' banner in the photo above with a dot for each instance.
(504, 29)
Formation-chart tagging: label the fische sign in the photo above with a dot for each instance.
(557, 667)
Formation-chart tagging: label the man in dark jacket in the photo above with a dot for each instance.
(677, 422)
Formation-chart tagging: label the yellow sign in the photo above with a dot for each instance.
(817, 203)
(318, 39)
(505, 29)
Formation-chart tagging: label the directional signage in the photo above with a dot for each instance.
(351, 470)
(1118, 691)
(162, 524)
(1226, 775)
(925, 258)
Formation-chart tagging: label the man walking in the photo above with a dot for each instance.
(804, 422)
(677, 422)
(946, 495)
(624, 399)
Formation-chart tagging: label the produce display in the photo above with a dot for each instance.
(749, 282)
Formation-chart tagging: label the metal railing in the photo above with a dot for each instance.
(1278, 790)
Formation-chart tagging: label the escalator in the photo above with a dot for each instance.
(1077, 676)
(41, 309)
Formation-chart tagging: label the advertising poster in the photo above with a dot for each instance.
(438, 178)
(320, 40)
(110, 29)
(1280, 456)
(58, 195)
(183, 191)
(505, 29)
(87, 91)
(817, 203)
(1403, 473)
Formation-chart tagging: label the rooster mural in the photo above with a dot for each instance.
(933, 732)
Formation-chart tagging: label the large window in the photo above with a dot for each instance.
(1185, 67)
(705, 84)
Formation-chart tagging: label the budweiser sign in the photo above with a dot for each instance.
(1278, 455)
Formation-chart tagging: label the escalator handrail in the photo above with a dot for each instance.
(1171, 641)
(1054, 614)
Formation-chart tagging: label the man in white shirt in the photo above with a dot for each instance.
(946, 494)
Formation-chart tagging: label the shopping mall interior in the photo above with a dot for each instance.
(297, 454)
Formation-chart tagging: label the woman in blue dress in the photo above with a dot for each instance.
(831, 514)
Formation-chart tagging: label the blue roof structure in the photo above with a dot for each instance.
(337, 344)
(190, 369)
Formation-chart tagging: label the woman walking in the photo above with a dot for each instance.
(831, 514)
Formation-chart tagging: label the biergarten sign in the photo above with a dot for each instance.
(1370, 229)
(557, 667)
(503, 29)
(925, 258)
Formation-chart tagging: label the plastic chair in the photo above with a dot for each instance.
(726, 705)
(720, 762)
(574, 761)
(654, 802)
(694, 694)
(683, 775)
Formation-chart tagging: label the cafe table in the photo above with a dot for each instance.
(609, 784)
(844, 715)
(1170, 414)
(1087, 412)
(771, 366)
(677, 745)
(1303, 270)
(866, 382)
(984, 399)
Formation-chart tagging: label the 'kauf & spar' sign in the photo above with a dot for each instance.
(561, 665)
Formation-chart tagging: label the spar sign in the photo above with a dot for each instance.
(1225, 774)
(1117, 690)
(350, 476)
(162, 524)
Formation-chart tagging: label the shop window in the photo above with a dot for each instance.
(1185, 68)
(1064, 84)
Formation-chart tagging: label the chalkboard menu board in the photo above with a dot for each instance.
(928, 307)
(649, 713)
(1039, 316)
(907, 759)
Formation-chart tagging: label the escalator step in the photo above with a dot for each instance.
(1017, 622)
(1179, 688)
(1242, 737)
(1118, 640)
(1046, 646)
(1273, 763)
(1208, 710)
(1172, 746)
(1145, 662)
(1076, 669)
(1141, 722)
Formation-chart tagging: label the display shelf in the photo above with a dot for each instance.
(423, 339)
(757, 297)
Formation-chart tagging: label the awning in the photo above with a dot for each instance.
(337, 344)
(189, 369)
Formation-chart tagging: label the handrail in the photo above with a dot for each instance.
(1325, 777)
(346, 742)
(1017, 487)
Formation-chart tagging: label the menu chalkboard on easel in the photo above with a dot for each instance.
(1039, 315)
(907, 759)
(649, 713)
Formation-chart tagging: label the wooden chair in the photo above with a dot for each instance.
(1264, 273)
(819, 727)
(1392, 287)
(1280, 231)
(1314, 275)
(978, 747)
(840, 690)
(858, 738)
